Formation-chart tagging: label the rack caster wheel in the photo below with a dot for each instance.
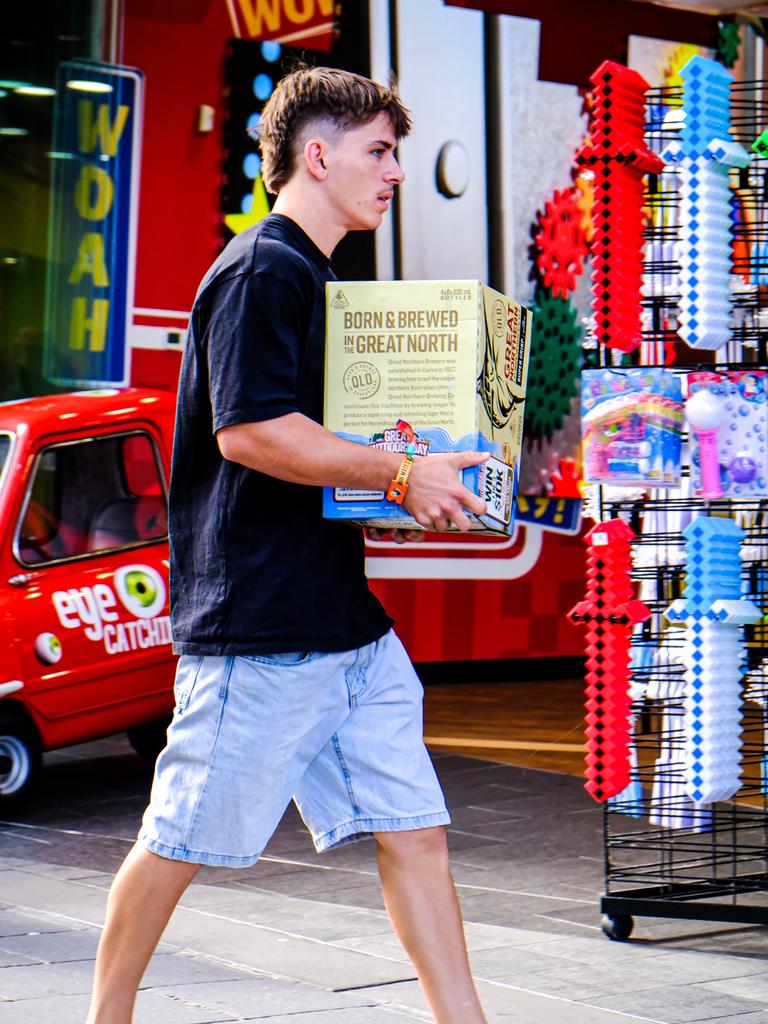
(618, 928)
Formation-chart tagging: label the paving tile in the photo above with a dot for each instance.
(506, 860)
(678, 1004)
(687, 964)
(252, 877)
(384, 945)
(516, 1006)
(760, 1017)
(250, 995)
(185, 968)
(321, 925)
(14, 922)
(359, 1015)
(67, 871)
(588, 950)
(754, 986)
(514, 910)
(499, 829)
(39, 980)
(586, 914)
(742, 943)
(71, 1009)
(488, 936)
(505, 964)
(305, 917)
(522, 937)
(81, 901)
(470, 817)
(8, 958)
(55, 947)
(590, 889)
(597, 980)
(365, 896)
(251, 946)
(314, 883)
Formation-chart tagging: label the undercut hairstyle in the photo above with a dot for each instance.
(332, 100)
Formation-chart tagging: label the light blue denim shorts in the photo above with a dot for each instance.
(341, 734)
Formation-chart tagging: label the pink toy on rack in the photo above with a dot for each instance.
(727, 412)
(705, 412)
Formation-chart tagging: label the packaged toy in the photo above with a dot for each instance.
(631, 423)
(727, 413)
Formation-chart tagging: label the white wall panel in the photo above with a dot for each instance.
(441, 77)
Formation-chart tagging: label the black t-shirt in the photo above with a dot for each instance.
(254, 566)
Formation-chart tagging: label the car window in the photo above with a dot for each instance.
(93, 495)
(5, 447)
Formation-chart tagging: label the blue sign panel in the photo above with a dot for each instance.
(559, 515)
(94, 187)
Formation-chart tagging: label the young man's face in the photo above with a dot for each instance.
(362, 174)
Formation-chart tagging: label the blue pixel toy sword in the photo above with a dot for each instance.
(714, 612)
(704, 154)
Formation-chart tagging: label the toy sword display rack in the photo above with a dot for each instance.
(685, 789)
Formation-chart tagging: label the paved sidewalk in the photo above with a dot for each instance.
(304, 939)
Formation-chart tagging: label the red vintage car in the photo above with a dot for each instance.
(86, 643)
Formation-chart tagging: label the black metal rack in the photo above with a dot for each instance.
(665, 856)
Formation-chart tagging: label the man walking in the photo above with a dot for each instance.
(291, 683)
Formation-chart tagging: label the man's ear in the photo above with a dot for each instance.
(314, 158)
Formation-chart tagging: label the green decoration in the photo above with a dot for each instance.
(760, 145)
(728, 42)
(554, 366)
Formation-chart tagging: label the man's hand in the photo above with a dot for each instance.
(436, 497)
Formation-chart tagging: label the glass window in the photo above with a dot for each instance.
(93, 495)
(34, 39)
(5, 447)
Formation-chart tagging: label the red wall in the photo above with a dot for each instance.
(179, 224)
(461, 620)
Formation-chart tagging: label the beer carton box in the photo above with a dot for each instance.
(442, 364)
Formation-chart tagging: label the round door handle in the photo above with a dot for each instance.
(452, 172)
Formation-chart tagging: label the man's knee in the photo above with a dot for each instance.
(423, 844)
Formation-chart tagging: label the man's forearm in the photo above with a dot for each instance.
(296, 449)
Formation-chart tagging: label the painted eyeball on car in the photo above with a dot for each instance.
(48, 648)
(139, 585)
(141, 589)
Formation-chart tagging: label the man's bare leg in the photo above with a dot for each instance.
(142, 898)
(421, 902)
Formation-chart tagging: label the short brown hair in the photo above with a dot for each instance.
(307, 94)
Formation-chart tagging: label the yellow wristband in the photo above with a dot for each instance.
(398, 487)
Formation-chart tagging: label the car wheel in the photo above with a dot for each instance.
(148, 739)
(20, 762)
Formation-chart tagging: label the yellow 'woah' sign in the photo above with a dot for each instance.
(93, 207)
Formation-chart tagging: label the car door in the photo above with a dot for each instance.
(92, 622)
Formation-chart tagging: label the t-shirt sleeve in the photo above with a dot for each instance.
(254, 341)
